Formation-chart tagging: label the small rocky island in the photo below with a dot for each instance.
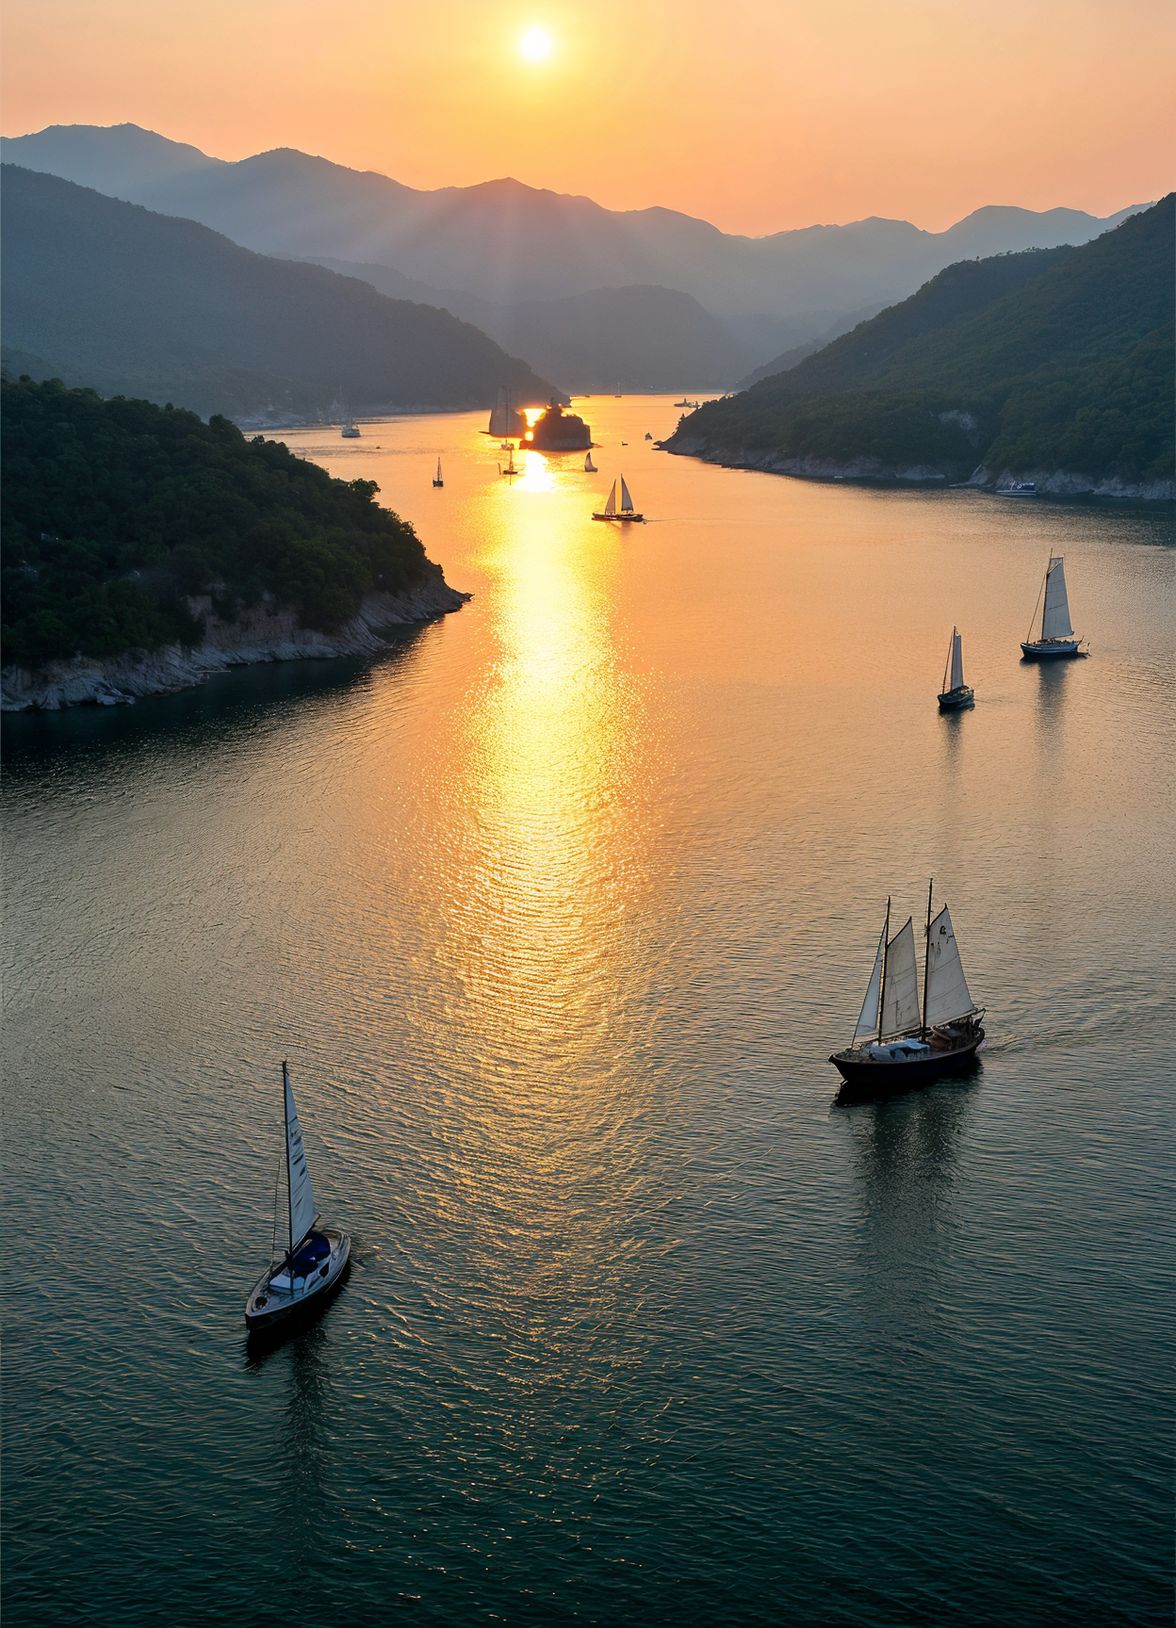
(557, 431)
(144, 549)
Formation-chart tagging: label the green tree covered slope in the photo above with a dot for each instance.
(115, 511)
(1069, 369)
(110, 295)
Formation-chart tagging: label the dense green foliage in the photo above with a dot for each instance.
(115, 512)
(107, 294)
(1070, 369)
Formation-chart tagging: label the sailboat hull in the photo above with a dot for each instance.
(623, 518)
(866, 1077)
(277, 1299)
(950, 700)
(1049, 649)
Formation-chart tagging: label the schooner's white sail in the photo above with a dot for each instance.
(948, 996)
(957, 661)
(610, 506)
(900, 989)
(627, 501)
(867, 1023)
(1055, 617)
(301, 1198)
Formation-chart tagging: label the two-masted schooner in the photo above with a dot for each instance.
(1057, 637)
(611, 511)
(894, 1042)
(955, 692)
(313, 1260)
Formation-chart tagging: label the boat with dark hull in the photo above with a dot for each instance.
(955, 693)
(312, 1266)
(1057, 637)
(895, 1045)
(611, 511)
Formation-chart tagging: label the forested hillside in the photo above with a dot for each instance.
(107, 294)
(1070, 370)
(115, 511)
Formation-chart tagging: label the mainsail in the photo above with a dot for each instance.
(900, 989)
(626, 500)
(947, 989)
(867, 1023)
(611, 506)
(301, 1197)
(1055, 618)
(957, 661)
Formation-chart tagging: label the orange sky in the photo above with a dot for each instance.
(755, 114)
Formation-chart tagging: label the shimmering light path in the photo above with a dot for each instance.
(557, 912)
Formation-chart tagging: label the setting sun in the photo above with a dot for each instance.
(535, 45)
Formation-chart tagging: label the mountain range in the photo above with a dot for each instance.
(1058, 363)
(108, 294)
(518, 247)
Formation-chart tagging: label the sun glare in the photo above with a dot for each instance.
(535, 45)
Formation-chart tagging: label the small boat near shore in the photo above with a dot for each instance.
(894, 1044)
(955, 693)
(626, 511)
(312, 1264)
(1057, 636)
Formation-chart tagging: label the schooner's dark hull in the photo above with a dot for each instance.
(863, 1079)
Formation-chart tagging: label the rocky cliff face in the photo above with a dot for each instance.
(1053, 483)
(265, 634)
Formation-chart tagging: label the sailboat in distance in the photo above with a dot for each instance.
(437, 480)
(313, 1258)
(611, 511)
(589, 466)
(894, 1044)
(955, 692)
(1057, 637)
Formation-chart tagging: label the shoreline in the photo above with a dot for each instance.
(872, 472)
(260, 635)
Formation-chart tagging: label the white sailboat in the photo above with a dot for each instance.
(1057, 637)
(313, 1259)
(437, 480)
(626, 511)
(955, 692)
(896, 1044)
(589, 466)
(511, 468)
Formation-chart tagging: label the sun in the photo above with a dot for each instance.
(535, 45)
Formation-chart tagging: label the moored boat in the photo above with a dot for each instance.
(956, 693)
(312, 1265)
(894, 1044)
(1057, 636)
(626, 511)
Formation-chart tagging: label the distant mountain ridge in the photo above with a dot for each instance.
(509, 243)
(1059, 364)
(108, 294)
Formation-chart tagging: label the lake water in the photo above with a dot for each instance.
(557, 911)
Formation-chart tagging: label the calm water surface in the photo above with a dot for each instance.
(557, 911)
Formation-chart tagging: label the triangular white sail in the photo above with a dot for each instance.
(867, 1023)
(1055, 618)
(589, 466)
(301, 1197)
(947, 989)
(900, 990)
(626, 500)
(610, 506)
(957, 661)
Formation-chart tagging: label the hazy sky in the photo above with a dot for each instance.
(755, 114)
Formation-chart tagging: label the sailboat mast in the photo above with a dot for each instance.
(289, 1192)
(882, 980)
(926, 959)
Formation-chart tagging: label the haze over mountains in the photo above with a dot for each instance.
(517, 247)
(104, 293)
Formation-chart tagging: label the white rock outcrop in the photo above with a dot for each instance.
(262, 634)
